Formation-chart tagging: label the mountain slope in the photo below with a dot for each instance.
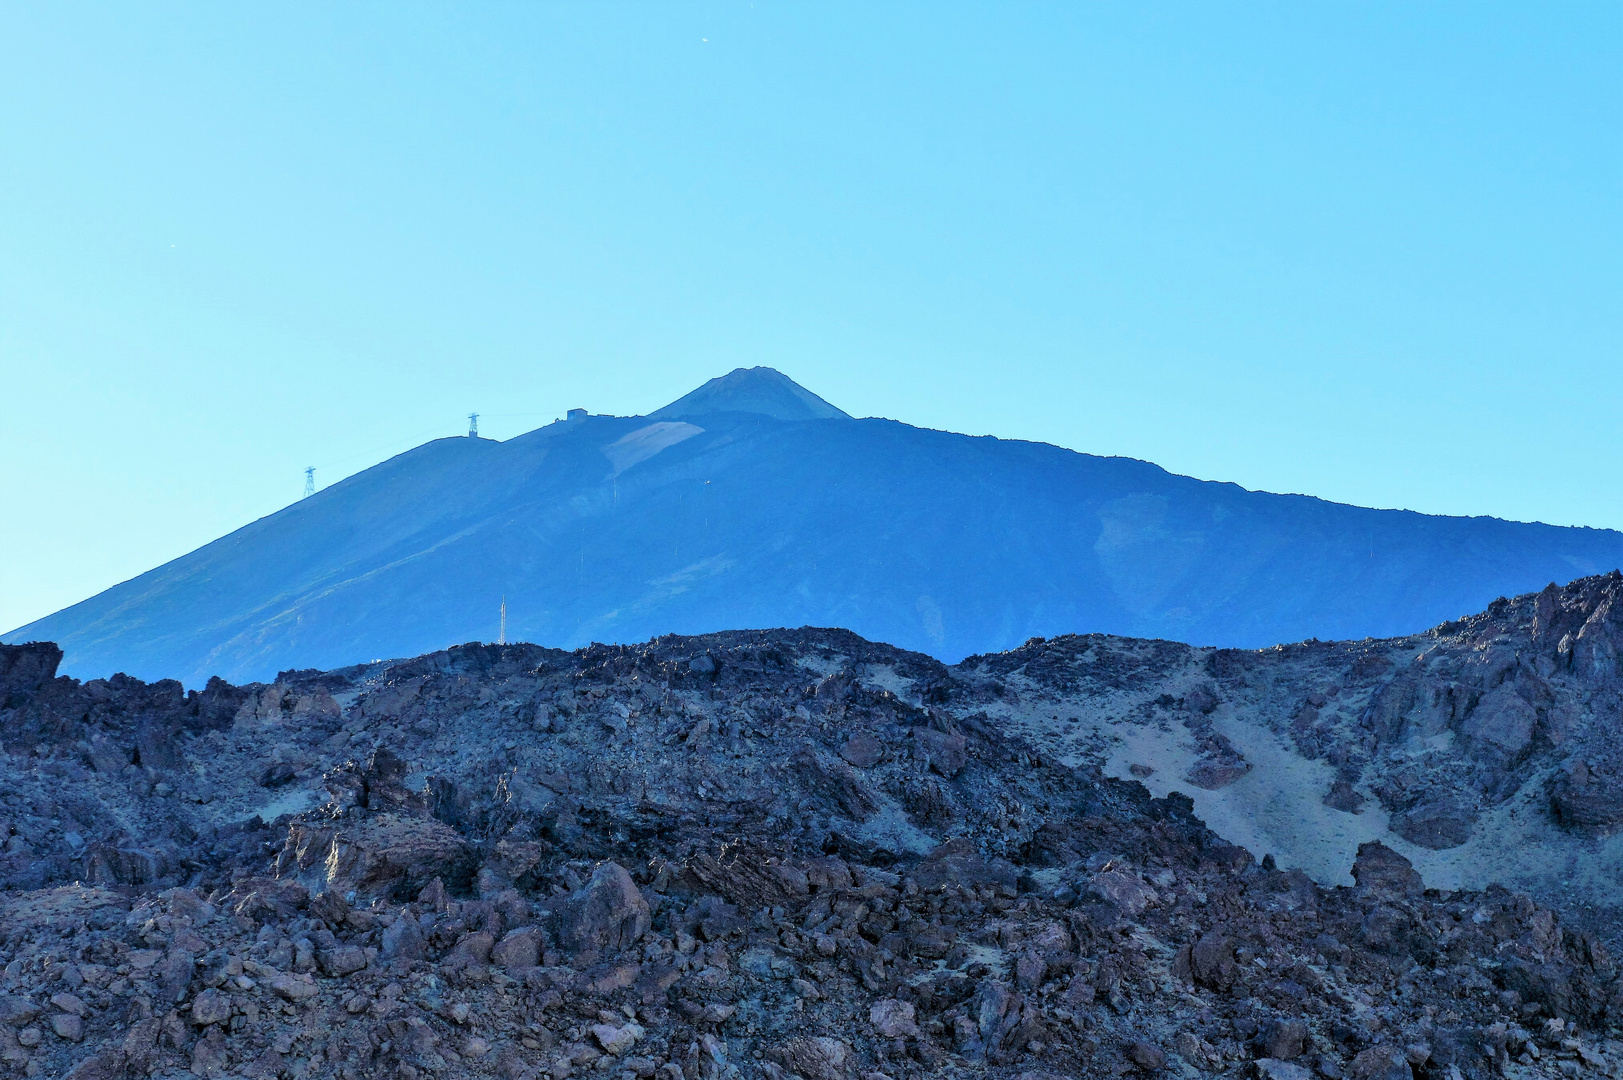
(711, 513)
(1484, 750)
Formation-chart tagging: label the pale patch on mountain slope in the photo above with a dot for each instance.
(1277, 808)
(885, 677)
(1400, 734)
(645, 442)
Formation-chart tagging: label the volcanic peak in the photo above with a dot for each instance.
(752, 390)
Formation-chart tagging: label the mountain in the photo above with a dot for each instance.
(753, 503)
(751, 390)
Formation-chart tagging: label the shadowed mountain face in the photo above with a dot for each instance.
(753, 503)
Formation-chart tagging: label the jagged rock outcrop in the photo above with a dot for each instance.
(1485, 749)
(663, 862)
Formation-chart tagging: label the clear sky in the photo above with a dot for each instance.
(1364, 252)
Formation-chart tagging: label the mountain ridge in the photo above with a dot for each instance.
(940, 542)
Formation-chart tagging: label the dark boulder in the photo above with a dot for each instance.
(1380, 869)
(606, 915)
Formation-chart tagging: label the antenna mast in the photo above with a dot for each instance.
(309, 481)
(473, 425)
(501, 637)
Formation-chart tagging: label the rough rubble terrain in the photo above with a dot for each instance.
(781, 854)
(1484, 750)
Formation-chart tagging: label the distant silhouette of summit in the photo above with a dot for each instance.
(753, 503)
(760, 390)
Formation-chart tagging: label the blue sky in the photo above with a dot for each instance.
(1364, 252)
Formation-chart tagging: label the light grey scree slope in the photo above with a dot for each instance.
(752, 502)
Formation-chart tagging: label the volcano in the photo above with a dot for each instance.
(752, 502)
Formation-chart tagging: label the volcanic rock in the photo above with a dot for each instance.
(1381, 1062)
(1380, 869)
(522, 902)
(605, 916)
(1437, 825)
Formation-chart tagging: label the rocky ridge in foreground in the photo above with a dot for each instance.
(785, 853)
(1486, 749)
